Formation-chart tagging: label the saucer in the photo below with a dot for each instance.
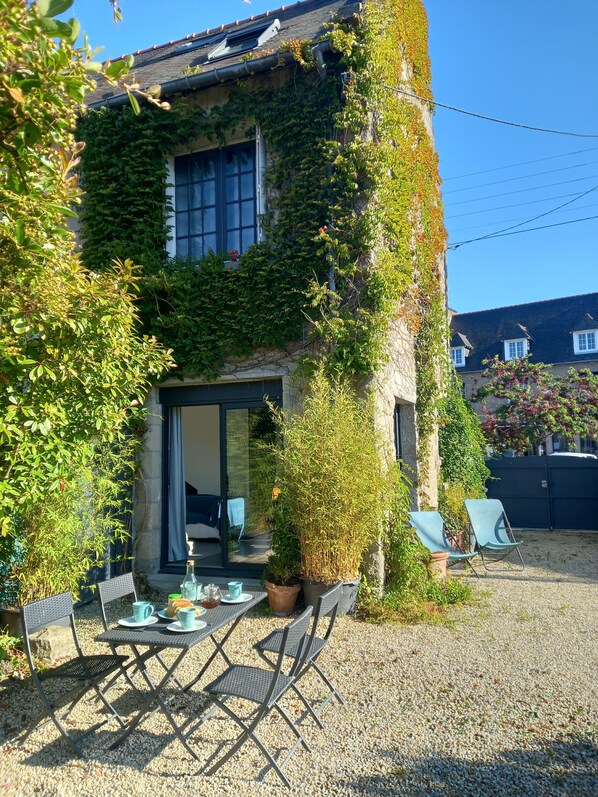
(199, 624)
(131, 622)
(243, 598)
(199, 610)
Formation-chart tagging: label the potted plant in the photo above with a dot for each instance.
(281, 572)
(335, 483)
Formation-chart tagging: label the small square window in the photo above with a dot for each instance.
(458, 356)
(515, 349)
(585, 341)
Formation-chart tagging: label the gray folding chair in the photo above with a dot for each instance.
(324, 615)
(265, 688)
(85, 673)
(111, 590)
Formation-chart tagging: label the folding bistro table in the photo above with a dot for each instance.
(157, 638)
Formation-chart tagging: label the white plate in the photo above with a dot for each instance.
(199, 610)
(131, 622)
(245, 596)
(199, 624)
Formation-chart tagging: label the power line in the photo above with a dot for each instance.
(515, 165)
(505, 221)
(534, 218)
(508, 207)
(489, 118)
(518, 232)
(522, 190)
(521, 177)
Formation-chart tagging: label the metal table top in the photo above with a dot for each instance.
(158, 635)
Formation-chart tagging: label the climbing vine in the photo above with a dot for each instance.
(353, 236)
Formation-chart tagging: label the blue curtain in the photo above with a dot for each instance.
(177, 540)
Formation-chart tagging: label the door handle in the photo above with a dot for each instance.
(544, 483)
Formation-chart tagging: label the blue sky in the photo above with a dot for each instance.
(530, 62)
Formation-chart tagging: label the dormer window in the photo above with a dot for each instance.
(458, 356)
(585, 341)
(242, 41)
(515, 348)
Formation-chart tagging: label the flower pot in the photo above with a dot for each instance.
(282, 600)
(312, 590)
(11, 619)
(437, 565)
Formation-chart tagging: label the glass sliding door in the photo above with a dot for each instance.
(217, 474)
(249, 473)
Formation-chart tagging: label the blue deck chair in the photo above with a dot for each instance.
(491, 529)
(429, 527)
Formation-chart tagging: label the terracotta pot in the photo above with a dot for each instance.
(282, 600)
(437, 565)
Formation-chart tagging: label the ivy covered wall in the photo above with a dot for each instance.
(353, 236)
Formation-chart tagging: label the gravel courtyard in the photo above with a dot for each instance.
(502, 701)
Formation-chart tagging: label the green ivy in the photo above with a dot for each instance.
(363, 208)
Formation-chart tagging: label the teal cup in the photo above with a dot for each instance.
(235, 589)
(186, 617)
(142, 610)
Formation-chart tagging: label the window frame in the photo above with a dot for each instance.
(458, 350)
(259, 193)
(577, 347)
(515, 341)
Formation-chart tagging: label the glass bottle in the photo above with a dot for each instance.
(189, 585)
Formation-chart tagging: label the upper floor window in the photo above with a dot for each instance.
(515, 348)
(458, 356)
(585, 341)
(215, 201)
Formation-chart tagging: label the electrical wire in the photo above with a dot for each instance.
(522, 190)
(521, 177)
(518, 232)
(489, 118)
(515, 165)
(508, 207)
(534, 218)
(506, 221)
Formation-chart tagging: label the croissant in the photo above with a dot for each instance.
(178, 603)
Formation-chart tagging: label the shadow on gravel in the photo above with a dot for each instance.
(555, 769)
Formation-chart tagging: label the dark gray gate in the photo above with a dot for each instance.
(546, 492)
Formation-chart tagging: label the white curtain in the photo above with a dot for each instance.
(177, 540)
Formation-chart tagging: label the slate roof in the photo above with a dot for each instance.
(166, 62)
(547, 325)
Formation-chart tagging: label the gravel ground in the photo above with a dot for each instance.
(502, 701)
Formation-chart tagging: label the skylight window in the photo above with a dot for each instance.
(241, 41)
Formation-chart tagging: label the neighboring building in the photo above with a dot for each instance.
(206, 485)
(562, 333)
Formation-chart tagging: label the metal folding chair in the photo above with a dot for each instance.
(111, 590)
(326, 612)
(265, 688)
(492, 530)
(84, 672)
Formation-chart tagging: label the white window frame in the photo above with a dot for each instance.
(260, 161)
(514, 342)
(582, 344)
(458, 361)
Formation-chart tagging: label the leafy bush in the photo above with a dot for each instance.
(336, 486)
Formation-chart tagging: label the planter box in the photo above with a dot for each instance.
(11, 619)
(312, 590)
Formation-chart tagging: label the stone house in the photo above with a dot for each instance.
(206, 483)
(562, 333)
